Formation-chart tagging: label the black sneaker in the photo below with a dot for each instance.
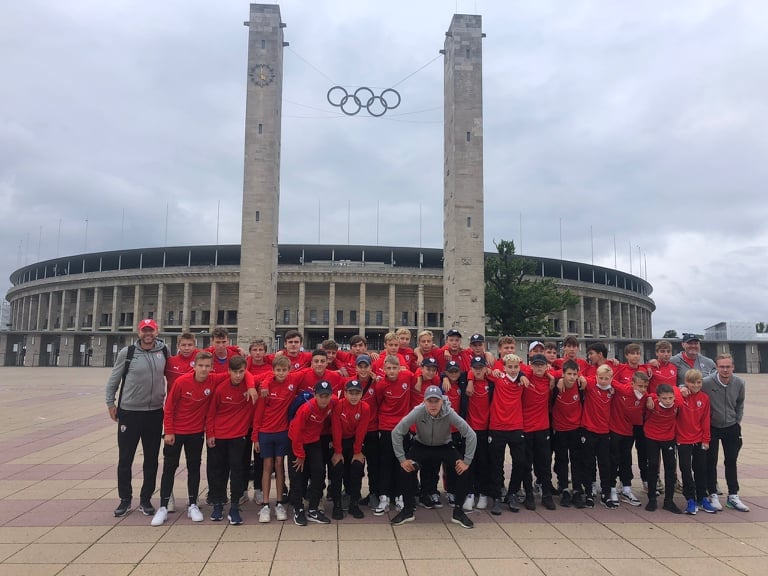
(364, 501)
(338, 512)
(299, 518)
(234, 516)
(146, 508)
(318, 516)
(548, 502)
(405, 515)
(355, 512)
(670, 506)
(589, 501)
(651, 506)
(217, 514)
(578, 501)
(123, 507)
(555, 491)
(608, 503)
(565, 499)
(512, 504)
(529, 503)
(460, 518)
(496, 508)
(425, 501)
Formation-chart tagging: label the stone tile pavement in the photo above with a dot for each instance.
(57, 491)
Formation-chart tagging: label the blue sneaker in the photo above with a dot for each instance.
(234, 516)
(218, 512)
(691, 508)
(706, 506)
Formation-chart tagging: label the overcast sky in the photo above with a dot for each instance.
(644, 121)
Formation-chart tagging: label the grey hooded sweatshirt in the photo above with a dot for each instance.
(144, 387)
(434, 431)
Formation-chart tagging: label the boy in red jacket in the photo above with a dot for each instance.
(186, 407)
(693, 437)
(230, 415)
(270, 432)
(566, 422)
(660, 428)
(183, 362)
(598, 394)
(306, 457)
(349, 422)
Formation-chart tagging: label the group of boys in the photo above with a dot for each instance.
(404, 413)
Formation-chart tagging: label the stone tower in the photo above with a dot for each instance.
(261, 180)
(463, 278)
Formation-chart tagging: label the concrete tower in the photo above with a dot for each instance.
(261, 180)
(463, 285)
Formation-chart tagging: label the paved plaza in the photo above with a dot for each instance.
(58, 457)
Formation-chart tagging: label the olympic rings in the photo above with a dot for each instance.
(375, 105)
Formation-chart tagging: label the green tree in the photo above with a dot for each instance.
(670, 334)
(517, 299)
(761, 328)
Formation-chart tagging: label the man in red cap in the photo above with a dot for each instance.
(139, 375)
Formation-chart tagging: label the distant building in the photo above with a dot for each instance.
(732, 330)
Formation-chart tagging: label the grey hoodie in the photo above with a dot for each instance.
(434, 431)
(144, 387)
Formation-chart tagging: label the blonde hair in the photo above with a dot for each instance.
(693, 376)
(512, 358)
(426, 333)
(604, 369)
(403, 332)
(390, 336)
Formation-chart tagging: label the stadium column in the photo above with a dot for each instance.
(420, 312)
(463, 250)
(332, 310)
(78, 301)
(95, 311)
(610, 320)
(115, 301)
(49, 324)
(261, 180)
(581, 316)
(392, 298)
(300, 319)
(564, 322)
(160, 309)
(214, 305)
(38, 311)
(361, 315)
(63, 317)
(137, 304)
(596, 311)
(185, 307)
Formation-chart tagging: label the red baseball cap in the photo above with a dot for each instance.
(148, 323)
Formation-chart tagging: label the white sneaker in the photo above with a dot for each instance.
(482, 502)
(537, 489)
(171, 504)
(469, 503)
(160, 516)
(714, 500)
(399, 503)
(194, 514)
(264, 514)
(628, 497)
(735, 502)
(382, 507)
(614, 496)
(258, 496)
(280, 513)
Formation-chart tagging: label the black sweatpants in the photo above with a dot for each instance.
(667, 450)
(429, 459)
(730, 437)
(388, 475)
(539, 455)
(515, 440)
(482, 483)
(226, 462)
(313, 473)
(372, 460)
(597, 447)
(569, 449)
(693, 470)
(134, 426)
(621, 459)
(192, 444)
(642, 452)
(348, 472)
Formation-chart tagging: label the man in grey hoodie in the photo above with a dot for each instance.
(431, 448)
(138, 412)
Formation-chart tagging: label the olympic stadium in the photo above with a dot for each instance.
(81, 309)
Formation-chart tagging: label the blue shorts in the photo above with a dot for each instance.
(274, 444)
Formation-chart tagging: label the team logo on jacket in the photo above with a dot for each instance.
(290, 387)
(405, 386)
(207, 391)
(296, 365)
(192, 363)
(228, 398)
(357, 416)
(637, 402)
(698, 403)
(370, 391)
(159, 355)
(575, 396)
(123, 427)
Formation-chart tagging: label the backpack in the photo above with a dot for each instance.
(128, 357)
(301, 399)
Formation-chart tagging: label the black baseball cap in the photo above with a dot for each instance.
(323, 387)
(538, 359)
(354, 385)
(478, 361)
(452, 365)
(429, 362)
(690, 338)
(475, 338)
(453, 332)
